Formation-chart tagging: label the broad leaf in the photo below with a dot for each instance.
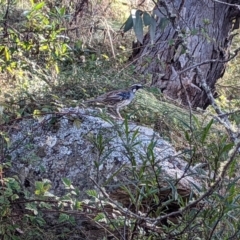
(63, 218)
(100, 218)
(147, 19)
(67, 183)
(128, 24)
(138, 26)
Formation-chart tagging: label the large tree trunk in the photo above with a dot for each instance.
(196, 31)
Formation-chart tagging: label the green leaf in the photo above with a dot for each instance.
(45, 205)
(39, 6)
(56, 68)
(63, 218)
(67, 183)
(42, 187)
(36, 112)
(135, 134)
(14, 197)
(43, 48)
(129, 192)
(206, 131)
(72, 220)
(38, 184)
(5, 138)
(92, 193)
(196, 121)
(40, 221)
(100, 218)
(78, 205)
(7, 55)
(174, 190)
(128, 24)
(147, 19)
(187, 136)
(227, 147)
(126, 128)
(62, 11)
(32, 207)
(138, 26)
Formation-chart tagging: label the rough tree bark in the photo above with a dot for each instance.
(196, 31)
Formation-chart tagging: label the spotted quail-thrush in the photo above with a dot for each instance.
(117, 99)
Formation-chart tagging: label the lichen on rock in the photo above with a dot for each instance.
(79, 145)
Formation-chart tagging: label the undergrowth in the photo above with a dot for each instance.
(132, 211)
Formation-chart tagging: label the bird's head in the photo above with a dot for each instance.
(136, 87)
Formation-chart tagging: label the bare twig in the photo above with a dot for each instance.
(222, 118)
(229, 113)
(210, 61)
(229, 4)
(110, 38)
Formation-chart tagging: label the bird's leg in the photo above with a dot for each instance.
(115, 111)
(111, 111)
(118, 113)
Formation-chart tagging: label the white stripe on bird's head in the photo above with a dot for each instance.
(135, 87)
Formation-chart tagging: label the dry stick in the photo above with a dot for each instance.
(210, 61)
(229, 4)
(222, 118)
(228, 114)
(110, 39)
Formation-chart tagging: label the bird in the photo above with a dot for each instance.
(117, 99)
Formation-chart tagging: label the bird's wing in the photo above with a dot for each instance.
(118, 95)
(112, 97)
